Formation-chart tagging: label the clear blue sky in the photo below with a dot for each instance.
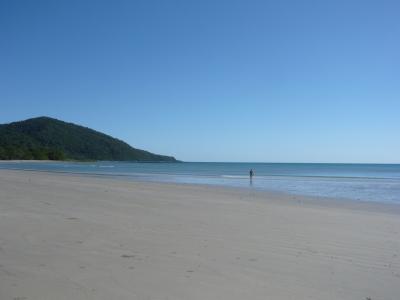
(269, 81)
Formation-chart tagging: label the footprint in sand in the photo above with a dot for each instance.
(253, 259)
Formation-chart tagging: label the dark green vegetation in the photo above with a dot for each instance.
(46, 138)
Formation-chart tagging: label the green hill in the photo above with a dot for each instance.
(47, 138)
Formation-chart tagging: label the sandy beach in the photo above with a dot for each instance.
(74, 237)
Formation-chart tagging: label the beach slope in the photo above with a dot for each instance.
(74, 237)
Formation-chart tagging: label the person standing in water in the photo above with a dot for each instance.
(251, 173)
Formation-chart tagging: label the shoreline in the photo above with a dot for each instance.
(66, 236)
(349, 202)
(212, 162)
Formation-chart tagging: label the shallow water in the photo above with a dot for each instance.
(366, 182)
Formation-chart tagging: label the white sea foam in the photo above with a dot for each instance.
(235, 176)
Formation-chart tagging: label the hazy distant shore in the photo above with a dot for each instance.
(75, 237)
(28, 160)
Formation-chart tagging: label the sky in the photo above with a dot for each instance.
(251, 81)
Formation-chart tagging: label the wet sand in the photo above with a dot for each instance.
(74, 237)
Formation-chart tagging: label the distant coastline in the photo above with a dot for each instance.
(78, 161)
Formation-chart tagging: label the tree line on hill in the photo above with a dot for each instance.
(46, 138)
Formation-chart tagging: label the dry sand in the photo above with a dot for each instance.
(74, 237)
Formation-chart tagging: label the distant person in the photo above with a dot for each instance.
(251, 173)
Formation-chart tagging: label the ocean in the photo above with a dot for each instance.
(363, 182)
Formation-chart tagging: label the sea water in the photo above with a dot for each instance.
(365, 182)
